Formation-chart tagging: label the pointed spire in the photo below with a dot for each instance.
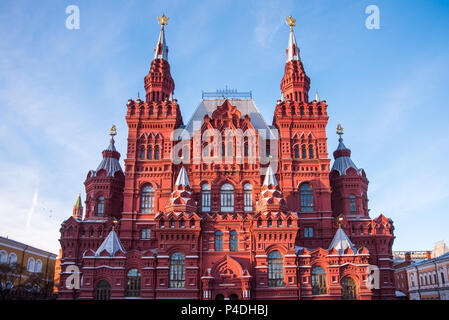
(342, 156)
(78, 209)
(161, 50)
(292, 49)
(317, 98)
(341, 242)
(111, 157)
(270, 178)
(182, 179)
(111, 244)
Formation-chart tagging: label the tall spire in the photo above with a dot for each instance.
(295, 84)
(292, 49)
(78, 209)
(161, 50)
(159, 84)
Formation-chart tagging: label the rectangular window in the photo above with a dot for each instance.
(308, 232)
(248, 200)
(206, 201)
(145, 234)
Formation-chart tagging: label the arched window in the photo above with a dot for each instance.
(218, 241)
(177, 270)
(301, 111)
(30, 266)
(248, 197)
(103, 290)
(227, 198)
(306, 195)
(349, 291)
(311, 110)
(38, 266)
(133, 278)
(156, 153)
(147, 199)
(352, 205)
(205, 197)
(182, 223)
(100, 206)
(320, 112)
(297, 152)
(12, 260)
(311, 151)
(246, 149)
(303, 151)
(233, 241)
(172, 223)
(150, 153)
(269, 222)
(3, 257)
(275, 269)
(279, 223)
(142, 153)
(318, 281)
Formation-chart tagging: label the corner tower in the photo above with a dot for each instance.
(148, 166)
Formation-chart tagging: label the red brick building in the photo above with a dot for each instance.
(226, 206)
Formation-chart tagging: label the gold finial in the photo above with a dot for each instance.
(291, 22)
(163, 20)
(339, 221)
(113, 131)
(114, 223)
(339, 130)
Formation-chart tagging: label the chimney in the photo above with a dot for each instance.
(408, 256)
(428, 255)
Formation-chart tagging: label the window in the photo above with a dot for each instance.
(275, 269)
(349, 289)
(248, 197)
(297, 152)
(311, 151)
(100, 206)
(103, 290)
(218, 241)
(133, 283)
(269, 222)
(308, 232)
(301, 111)
(12, 260)
(182, 223)
(205, 197)
(3, 256)
(352, 205)
(177, 271)
(142, 153)
(245, 149)
(147, 199)
(30, 267)
(150, 153)
(303, 152)
(156, 153)
(38, 266)
(145, 234)
(318, 281)
(227, 198)
(306, 195)
(172, 223)
(233, 241)
(279, 223)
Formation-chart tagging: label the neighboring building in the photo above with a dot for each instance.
(24, 268)
(429, 279)
(404, 261)
(254, 211)
(57, 272)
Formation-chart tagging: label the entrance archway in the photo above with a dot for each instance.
(233, 297)
(349, 289)
(219, 297)
(103, 291)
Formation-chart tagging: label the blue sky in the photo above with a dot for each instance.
(60, 91)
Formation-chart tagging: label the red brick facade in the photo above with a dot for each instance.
(240, 228)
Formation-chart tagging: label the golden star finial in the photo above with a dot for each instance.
(291, 22)
(163, 20)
